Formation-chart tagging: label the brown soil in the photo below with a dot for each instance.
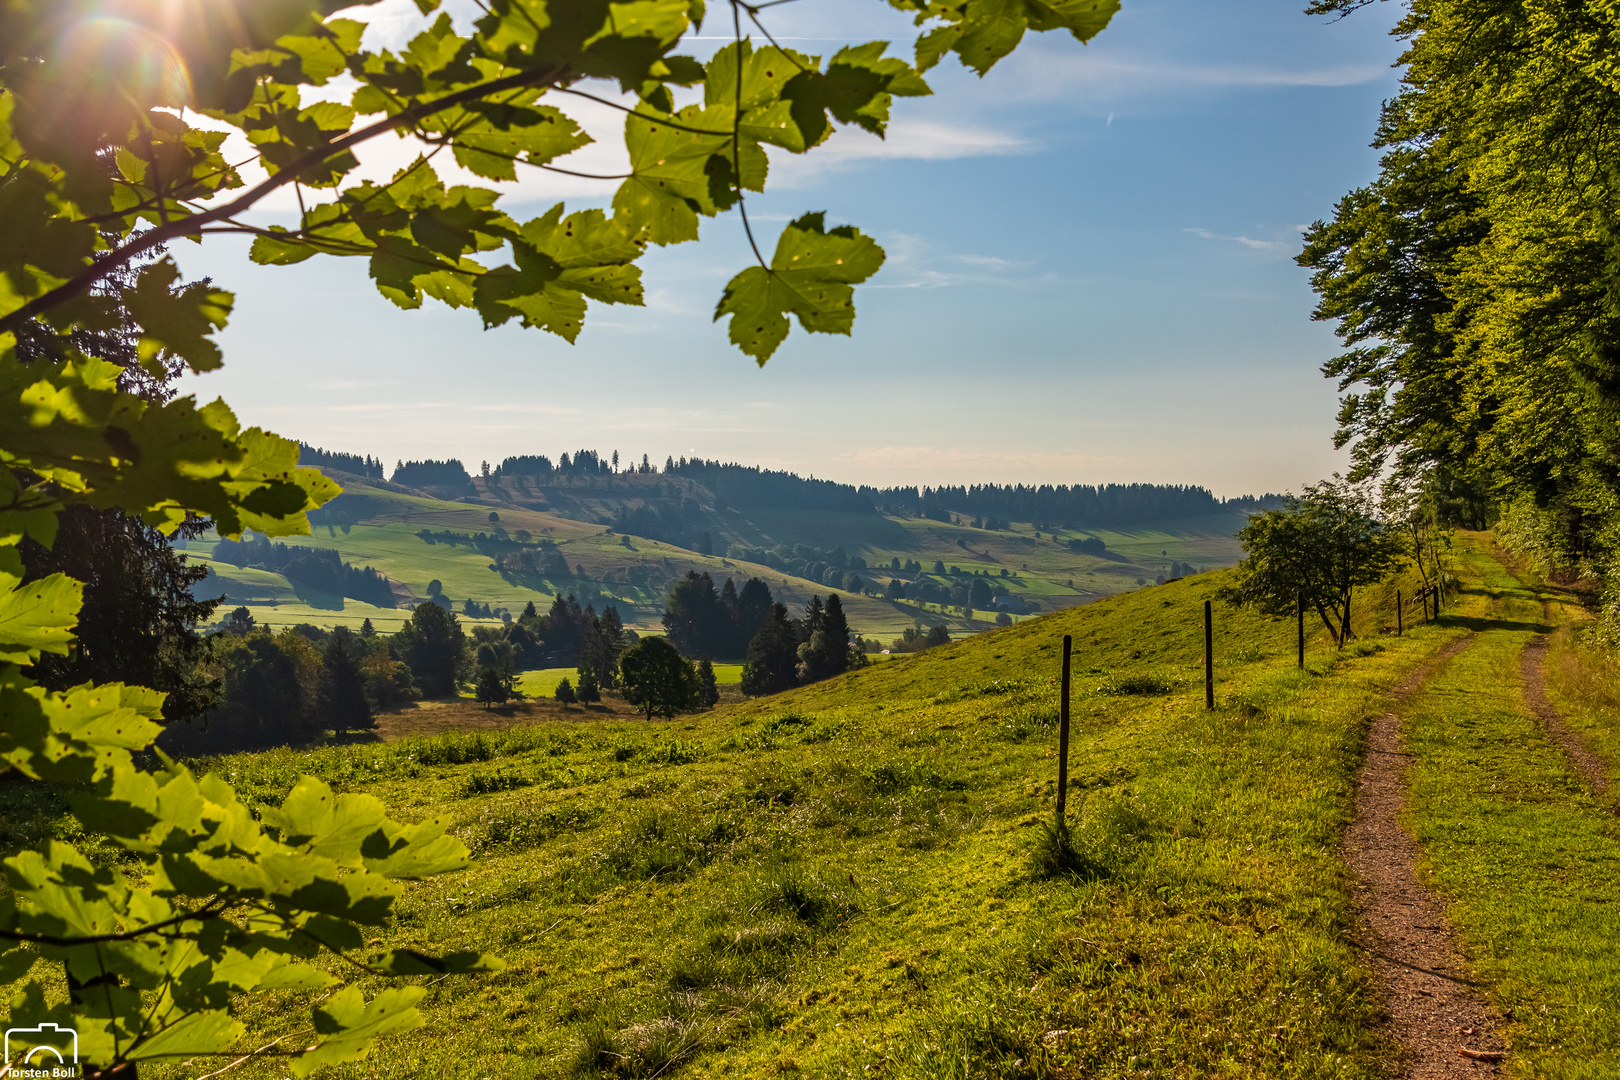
(1434, 1015)
(1532, 669)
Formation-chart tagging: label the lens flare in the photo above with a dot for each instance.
(116, 59)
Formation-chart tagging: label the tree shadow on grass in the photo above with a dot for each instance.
(1478, 625)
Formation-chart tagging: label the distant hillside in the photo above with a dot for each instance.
(620, 532)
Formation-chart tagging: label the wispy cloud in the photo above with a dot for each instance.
(1098, 80)
(915, 140)
(913, 263)
(1246, 241)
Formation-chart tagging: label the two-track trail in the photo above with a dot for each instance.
(1407, 935)
(1487, 861)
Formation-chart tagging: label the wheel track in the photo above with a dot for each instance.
(1532, 670)
(1433, 1013)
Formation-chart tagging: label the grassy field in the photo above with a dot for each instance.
(839, 881)
(543, 682)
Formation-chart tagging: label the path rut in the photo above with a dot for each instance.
(1443, 1027)
(1532, 669)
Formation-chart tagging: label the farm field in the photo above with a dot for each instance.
(377, 526)
(542, 682)
(838, 880)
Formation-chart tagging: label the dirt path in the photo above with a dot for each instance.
(1532, 669)
(1433, 1014)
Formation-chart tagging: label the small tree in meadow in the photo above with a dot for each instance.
(1316, 550)
(657, 678)
(491, 688)
(565, 693)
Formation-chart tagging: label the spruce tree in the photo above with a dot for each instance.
(771, 664)
(612, 634)
(367, 630)
(754, 605)
(837, 631)
(589, 693)
(491, 688)
(708, 689)
(340, 696)
(565, 693)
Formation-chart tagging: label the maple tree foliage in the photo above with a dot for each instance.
(114, 118)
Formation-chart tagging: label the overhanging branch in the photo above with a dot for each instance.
(193, 225)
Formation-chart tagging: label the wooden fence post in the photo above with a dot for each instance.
(1209, 656)
(1437, 601)
(1398, 613)
(1301, 606)
(1063, 734)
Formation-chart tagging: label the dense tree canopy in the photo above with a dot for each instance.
(1472, 281)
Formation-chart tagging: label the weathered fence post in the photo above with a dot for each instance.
(1425, 603)
(1437, 601)
(1063, 733)
(1209, 656)
(1398, 613)
(1301, 606)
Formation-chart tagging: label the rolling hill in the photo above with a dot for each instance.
(505, 541)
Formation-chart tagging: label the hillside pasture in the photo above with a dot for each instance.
(839, 880)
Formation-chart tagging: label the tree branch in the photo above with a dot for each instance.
(208, 911)
(192, 225)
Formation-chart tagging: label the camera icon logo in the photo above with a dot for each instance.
(41, 1047)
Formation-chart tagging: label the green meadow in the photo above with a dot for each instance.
(845, 879)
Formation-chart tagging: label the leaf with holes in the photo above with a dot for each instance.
(812, 276)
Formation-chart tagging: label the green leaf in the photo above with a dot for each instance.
(857, 88)
(210, 1032)
(669, 183)
(812, 275)
(177, 320)
(39, 617)
(15, 963)
(348, 1024)
(508, 133)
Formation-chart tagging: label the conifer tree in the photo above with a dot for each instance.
(340, 696)
(708, 688)
(491, 688)
(771, 664)
(565, 693)
(589, 693)
(367, 630)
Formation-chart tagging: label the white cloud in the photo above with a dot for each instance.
(1246, 241)
(916, 140)
(1096, 80)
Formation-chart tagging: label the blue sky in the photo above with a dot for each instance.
(1090, 279)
